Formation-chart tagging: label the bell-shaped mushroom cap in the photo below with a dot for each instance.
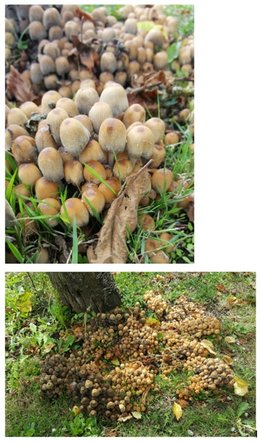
(74, 136)
(135, 113)
(140, 142)
(98, 113)
(73, 209)
(112, 135)
(116, 97)
(51, 164)
(157, 127)
(85, 99)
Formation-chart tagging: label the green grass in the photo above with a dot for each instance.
(34, 322)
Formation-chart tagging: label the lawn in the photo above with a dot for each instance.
(35, 322)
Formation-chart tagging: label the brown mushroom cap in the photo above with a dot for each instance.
(29, 108)
(112, 135)
(22, 190)
(23, 149)
(37, 31)
(74, 136)
(99, 169)
(171, 138)
(122, 169)
(140, 142)
(107, 192)
(73, 172)
(74, 209)
(92, 151)
(28, 173)
(108, 62)
(50, 207)
(45, 188)
(93, 198)
(135, 113)
(158, 156)
(44, 139)
(157, 127)
(51, 164)
(162, 179)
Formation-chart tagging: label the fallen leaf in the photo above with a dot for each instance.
(229, 339)
(18, 87)
(221, 288)
(84, 16)
(207, 344)
(115, 362)
(240, 386)
(126, 418)
(121, 218)
(24, 303)
(227, 359)
(136, 415)
(76, 410)
(48, 347)
(177, 411)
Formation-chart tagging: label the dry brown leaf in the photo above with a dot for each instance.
(18, 87)
(84, 16)
(121, 217)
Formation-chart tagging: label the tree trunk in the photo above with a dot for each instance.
(79, 290)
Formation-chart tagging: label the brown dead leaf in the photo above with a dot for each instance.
(85, 52)
(221, 288)
(121, 217)
(18, 87)
(84, 16)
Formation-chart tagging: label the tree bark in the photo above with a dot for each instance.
(80, 290)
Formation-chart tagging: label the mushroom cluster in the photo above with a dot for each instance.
(119, 354)
(92, 144)
(122, 48)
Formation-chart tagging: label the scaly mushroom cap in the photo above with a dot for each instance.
(116, 97)
(28, 173)
(135, 113)
(157, 127)
(98, 113)
(93, 198)
(85, 98)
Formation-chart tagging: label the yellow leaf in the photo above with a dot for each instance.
(177, 411)
(76, 410)
(207, 344)
(227, 359)
(136, 415)
(240, 386)
(150, 321)
(229, 339)
(123, 419)
(24, 303)
(115, 362)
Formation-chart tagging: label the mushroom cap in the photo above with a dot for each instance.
(23, 149)
(116, 97)
(122, 169)
(98, 167)
(49, 100)
(54, 119)
(98, 113)
(74, 208)
(112, 135)
(108, 62)
(140, 142)
(157, 127)
(93, 198)
(49, 206)
(74, 136)
(162, 179)
(69, 105)
(108, 194)
(85, 98)
(45, 188)
(28, 173)
(16, 117)
(51, 164)
(135, 113)
(92, 151)
(73, 172)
